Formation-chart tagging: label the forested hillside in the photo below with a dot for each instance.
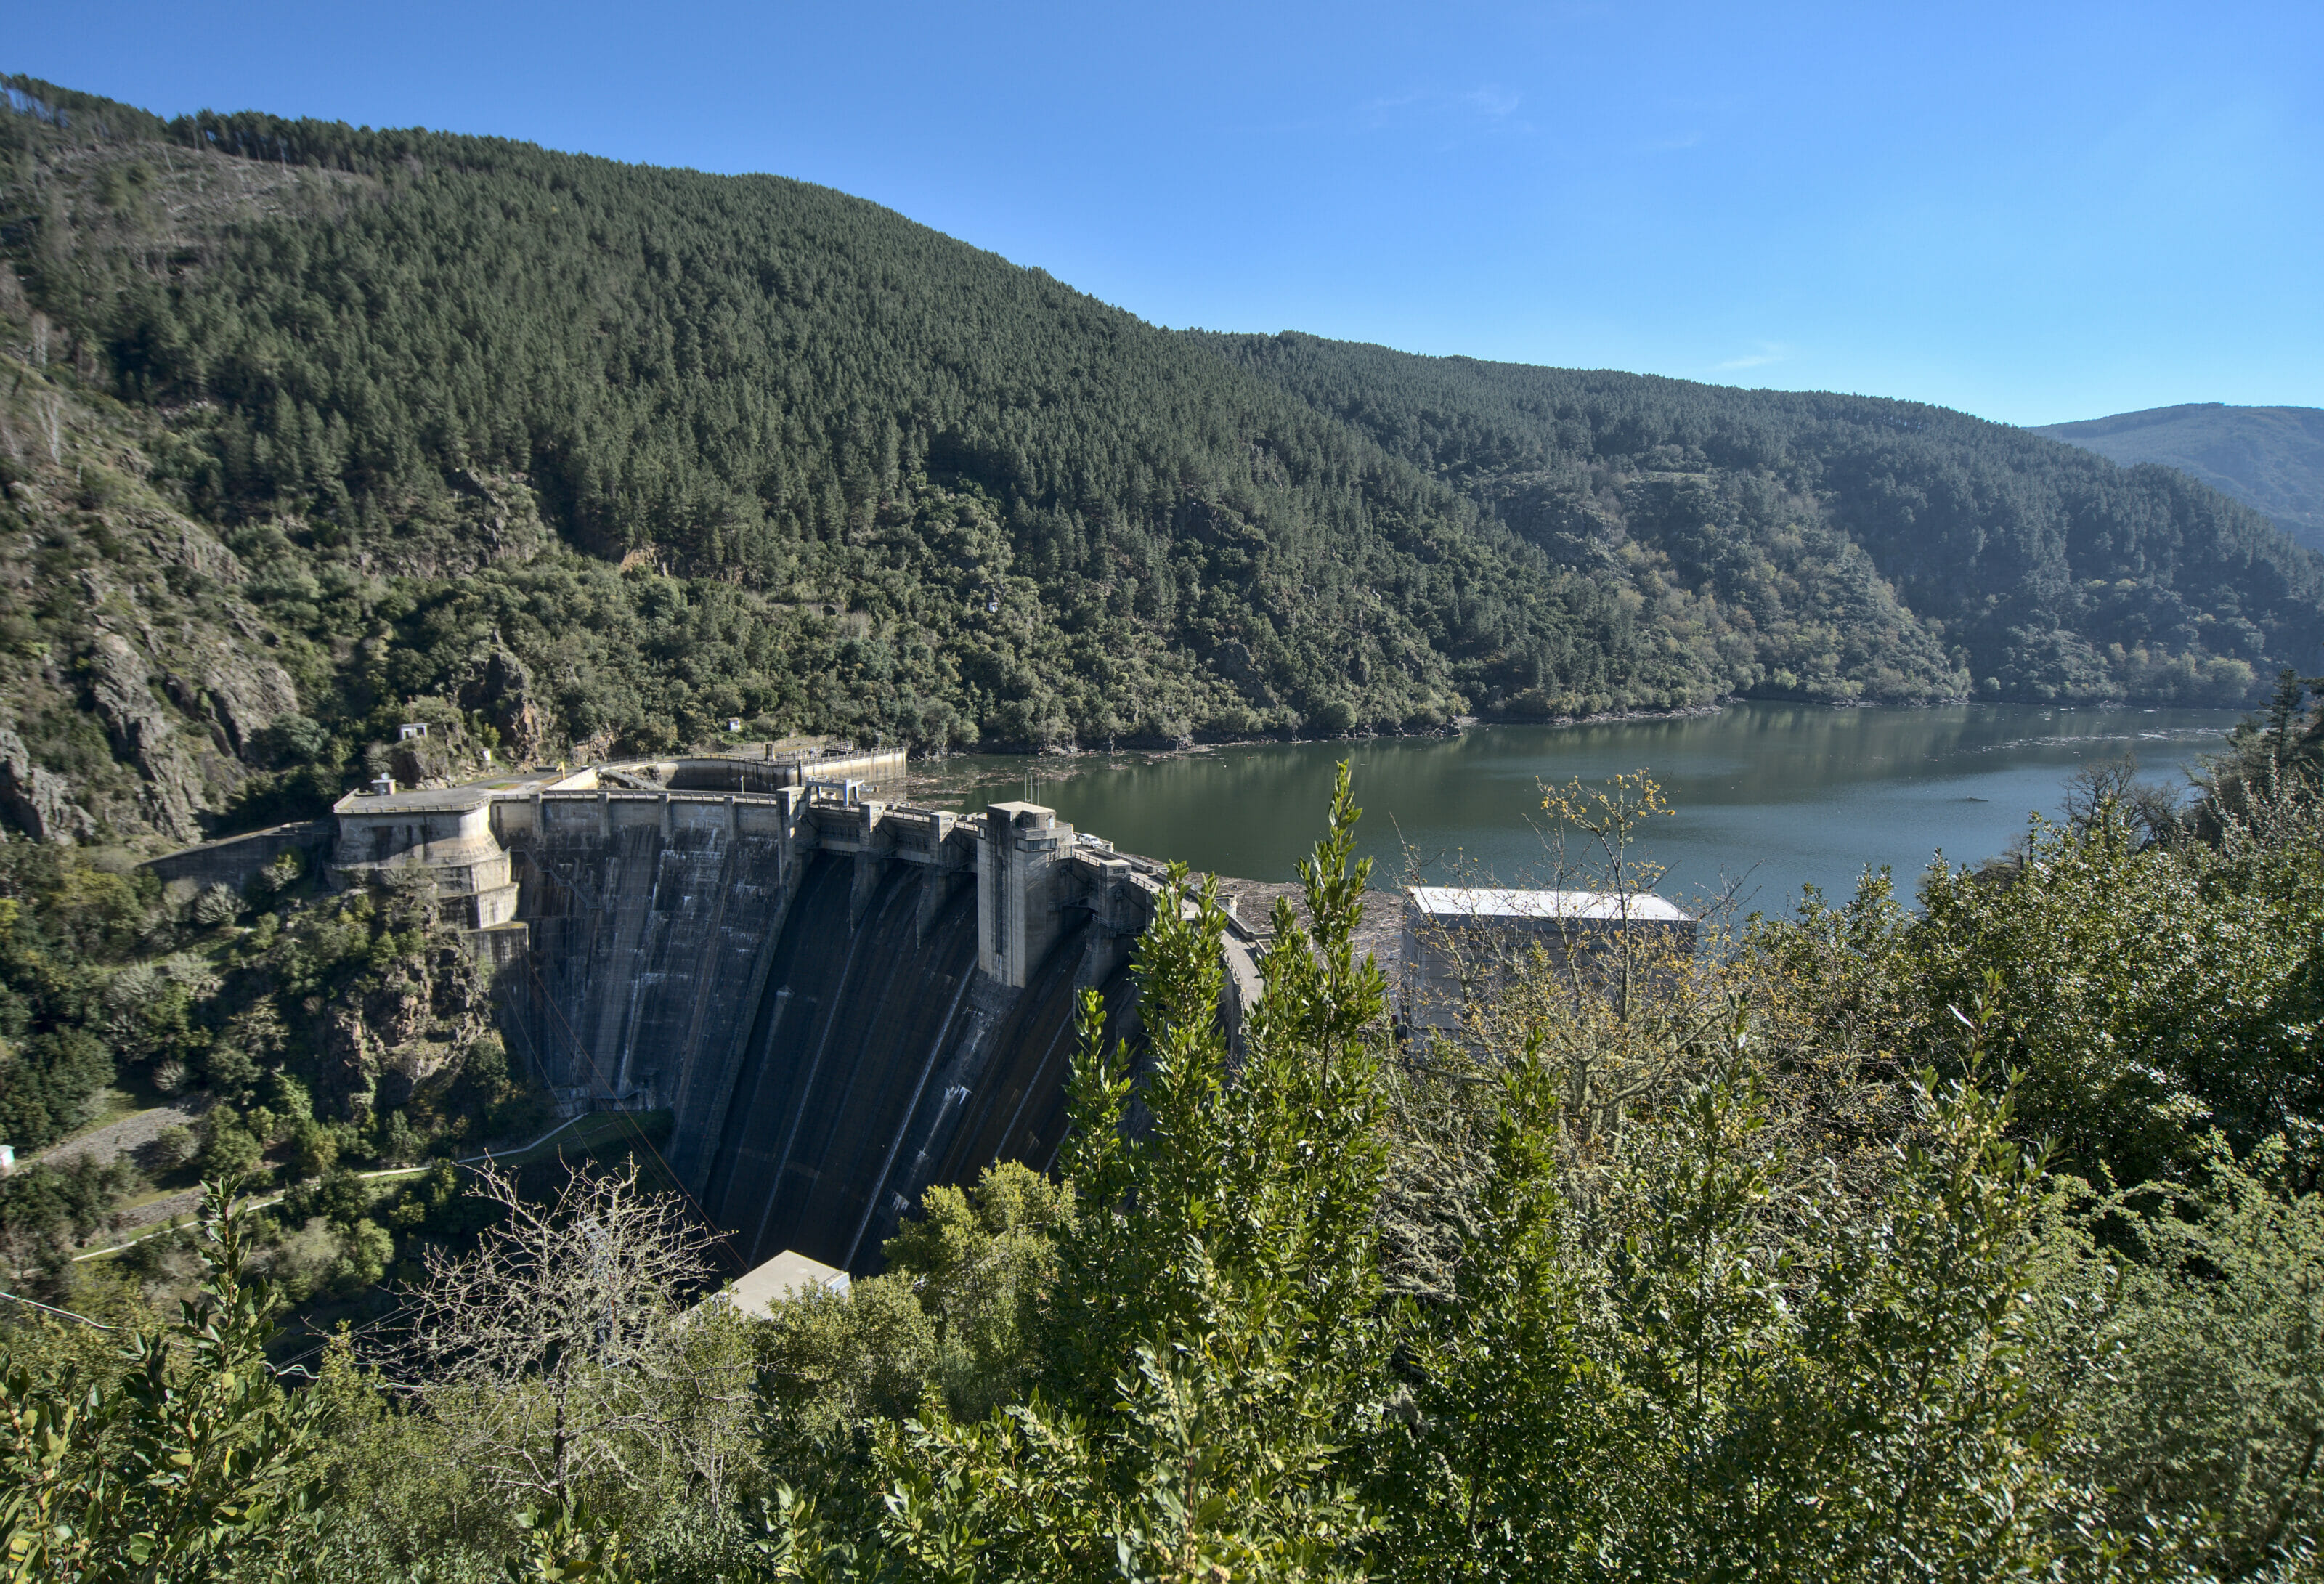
(304, 423)
(1858, 536)
(2271, 458)
(1980, 1242)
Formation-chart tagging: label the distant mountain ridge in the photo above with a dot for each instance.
(2271, 458)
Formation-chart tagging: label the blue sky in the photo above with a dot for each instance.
(2032, 212)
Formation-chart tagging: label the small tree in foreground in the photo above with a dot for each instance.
(556, 1356)
(1216, 1333)
(187, 1462)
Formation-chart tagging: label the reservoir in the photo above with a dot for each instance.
(1769, 797)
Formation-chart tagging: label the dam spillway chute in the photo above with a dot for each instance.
(881, 1060)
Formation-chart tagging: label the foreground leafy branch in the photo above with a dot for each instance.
(186, 1459)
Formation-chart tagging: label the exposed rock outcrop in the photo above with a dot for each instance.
(196, 550)
(483, 519)
(351, 1060)
(120, 678)
(406, 1029)
(246, 693)
(36, 801)
(500, 690)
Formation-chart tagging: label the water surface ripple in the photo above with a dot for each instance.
(1780, 796)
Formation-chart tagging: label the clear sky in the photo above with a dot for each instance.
(2034, 212)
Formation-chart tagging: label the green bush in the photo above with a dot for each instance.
(173, 1147)
(314, 1149)
(229, 1152)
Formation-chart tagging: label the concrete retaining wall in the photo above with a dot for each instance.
(233, 861)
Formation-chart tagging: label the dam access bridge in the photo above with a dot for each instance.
(842, 1000)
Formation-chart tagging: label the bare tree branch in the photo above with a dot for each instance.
(557, 1350)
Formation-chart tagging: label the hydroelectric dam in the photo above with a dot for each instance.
(841, 1001)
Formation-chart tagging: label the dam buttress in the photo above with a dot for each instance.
(840, 1001)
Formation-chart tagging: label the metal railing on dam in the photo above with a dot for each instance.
(841, 1001)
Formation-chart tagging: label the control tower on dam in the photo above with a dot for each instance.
(841, 1000)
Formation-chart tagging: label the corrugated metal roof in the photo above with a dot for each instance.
(1484, 904)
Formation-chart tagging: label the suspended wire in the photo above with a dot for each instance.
(293, 1368)
(67, 1314)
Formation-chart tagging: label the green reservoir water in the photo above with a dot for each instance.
(1779, 795)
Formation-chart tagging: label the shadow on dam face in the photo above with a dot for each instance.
(841, 1003)
(878, 1062)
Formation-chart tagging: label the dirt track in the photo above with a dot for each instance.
(127, 1137)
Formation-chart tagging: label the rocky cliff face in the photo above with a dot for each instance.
(243, 693)
(137, 677)
(37, 801)
(156, 680)
(502, 690)
(384, 1042)
(121, 679)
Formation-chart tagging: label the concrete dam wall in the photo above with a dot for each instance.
(878, 1060)
(840, 1001)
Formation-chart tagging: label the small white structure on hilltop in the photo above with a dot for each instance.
(788, 1274)
(1461, 941)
